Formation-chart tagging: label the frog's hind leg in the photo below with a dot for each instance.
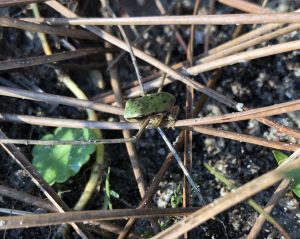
(156, 120)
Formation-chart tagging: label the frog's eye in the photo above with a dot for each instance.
(140, 117)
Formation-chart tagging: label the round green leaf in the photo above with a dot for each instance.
(58, 163)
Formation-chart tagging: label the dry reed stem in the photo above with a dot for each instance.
(68, 123)
(60, 31)
(26, 198)
(280, 191)
(10, 3)
(64, 100)
(245, 6)
(245, 138)
(222, 19)
(250, 43)
(45, 219)
(46, 59)
(249, 114)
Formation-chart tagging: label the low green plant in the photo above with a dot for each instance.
(295, 174)
(109, 193)
(176, 198)
(175, 201)
(57, 163)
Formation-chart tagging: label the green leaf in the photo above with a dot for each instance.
(294, 174)
(296, 188)
(114, 194)
(58, 163)
(279, 156)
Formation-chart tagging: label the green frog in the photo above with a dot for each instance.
(155, 107)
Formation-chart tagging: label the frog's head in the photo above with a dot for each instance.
(134, 110)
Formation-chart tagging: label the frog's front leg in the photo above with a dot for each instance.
(143, 125)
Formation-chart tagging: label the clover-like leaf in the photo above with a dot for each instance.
(58, 163)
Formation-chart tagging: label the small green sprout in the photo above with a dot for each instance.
(58, 163)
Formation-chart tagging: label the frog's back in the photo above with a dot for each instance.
(148, 105)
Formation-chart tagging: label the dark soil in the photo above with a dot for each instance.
(256, 83)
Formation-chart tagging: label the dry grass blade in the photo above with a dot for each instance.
(10, 3)
(66, 142)
(245, 138)
(28, 26)
(245, 6)
(223, 19)
(245, 37)
(280, 191)
(115, 229)
(251, 43)
(229, 200)
(46, 219)
(245, 56)
(39, 60)
(49, 98)
(25, 197)
(68, 123)
(275, 109)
